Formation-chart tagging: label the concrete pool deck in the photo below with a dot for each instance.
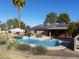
(51, 48)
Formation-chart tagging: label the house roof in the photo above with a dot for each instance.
(51, 26)
(41, 26)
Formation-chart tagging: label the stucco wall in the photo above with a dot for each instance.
(37, 31)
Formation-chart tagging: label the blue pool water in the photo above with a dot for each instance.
(37, 42)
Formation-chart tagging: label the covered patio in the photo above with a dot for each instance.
(56, 29)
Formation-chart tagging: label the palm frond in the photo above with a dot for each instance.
(19, 3)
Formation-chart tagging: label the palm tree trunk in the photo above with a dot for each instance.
(19, 17)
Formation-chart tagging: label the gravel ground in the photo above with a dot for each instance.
(16, 54)
(65, 53)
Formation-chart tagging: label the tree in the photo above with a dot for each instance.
(0, 23)
(64, 18)
(77, 30)
(19, 4)
(13, 23)
(50, 18)
(3, 26)
(72, 29)
(9, 23)
(22, 25)
(77, 24)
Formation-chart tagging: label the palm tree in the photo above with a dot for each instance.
(51, 17)
(64, 18)
(19, 4)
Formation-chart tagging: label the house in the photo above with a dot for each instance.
(54, 29)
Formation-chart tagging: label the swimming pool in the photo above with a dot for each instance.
(37, 42)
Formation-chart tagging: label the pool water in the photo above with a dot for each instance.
(38, 42)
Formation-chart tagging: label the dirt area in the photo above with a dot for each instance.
(16, 54)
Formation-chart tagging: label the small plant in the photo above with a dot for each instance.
(23, 47)
(38, 35)
(12, 44)
(38, 50)
(2, 42)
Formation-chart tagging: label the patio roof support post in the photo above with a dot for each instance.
(49, 33)
(65, 34)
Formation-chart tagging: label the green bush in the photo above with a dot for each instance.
(38, 50)
(23, 47)
(2, 42)
(12, 44)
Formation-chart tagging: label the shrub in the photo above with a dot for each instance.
(2, 42)
(12, 44)
(38, 50)
(23, 47)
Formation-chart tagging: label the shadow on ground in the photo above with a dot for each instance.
(68, 43)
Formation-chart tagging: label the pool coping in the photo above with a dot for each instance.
(50, 48)
(60, 47)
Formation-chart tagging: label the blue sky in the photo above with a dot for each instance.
(35, 10)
